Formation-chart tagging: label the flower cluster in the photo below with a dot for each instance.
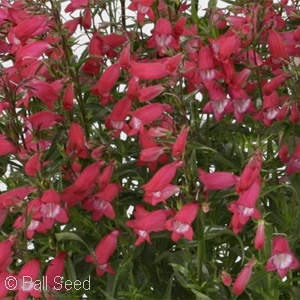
(173, 152)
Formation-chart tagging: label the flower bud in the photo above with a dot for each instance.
(259, 241)
(226, 278)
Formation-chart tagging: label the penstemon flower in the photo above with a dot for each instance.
(243, 278)
(282, 259)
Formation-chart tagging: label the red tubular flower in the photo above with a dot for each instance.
(228, 69)
(274, 83)
(225, 46)
(180, 224)
(88, 177)
(179, 145)
(218, 18)
(276, 46)
(244, 208)
(26, 277)
(6, 147)
(35, 225)
(158, 131)
(77, 141)
(124, 58)
(161, 196)
(173, 62)
(270, 109)
(217, 180)
(106, 82)
(83, 185)
(218, 100)
(226, 278)
(293, 164)
(111, 42)
(68, 98)
(44, 119)
(51, 209)
(116, 120)
(76, 4)
(146, 222)
(148, 71)
(95, 47)
(250, 173)
(3, 286)
(147, 114)
(6, 254)
(15, 197)
(35, 25)
(46, 92)
(163, 38)
(241, 103)
(296, 34)
(239, 79)
(71, 26)
(260, 238)
(106, 174)
(55, 270)
(87, 18)
(33, 165)
(4, 105)
(283, 153)
(30, 52)
(98, 152)
(151, 154)
(282, 259)
(243, 278)
(103, 252)
(162, 177)
(207, 65)
(143, 8)
(150, 92)
(179, 26)
(295, 113)
(133, 88)
(100, 203)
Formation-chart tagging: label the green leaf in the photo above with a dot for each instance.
(295, 292)
(200, 296)
(71, 270)
(58, 138)
(122, 269)
(168, 293)
(226, 162)
(70, 236)
(212, 3)
(108, 297)
(193, 165)
(4, 161)
(230, 2)
(196, 145)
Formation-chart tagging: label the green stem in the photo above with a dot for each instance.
(201, 244)
(123, 13)
(70, 68)
(195, 5)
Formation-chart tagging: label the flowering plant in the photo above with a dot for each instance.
(149, 164)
